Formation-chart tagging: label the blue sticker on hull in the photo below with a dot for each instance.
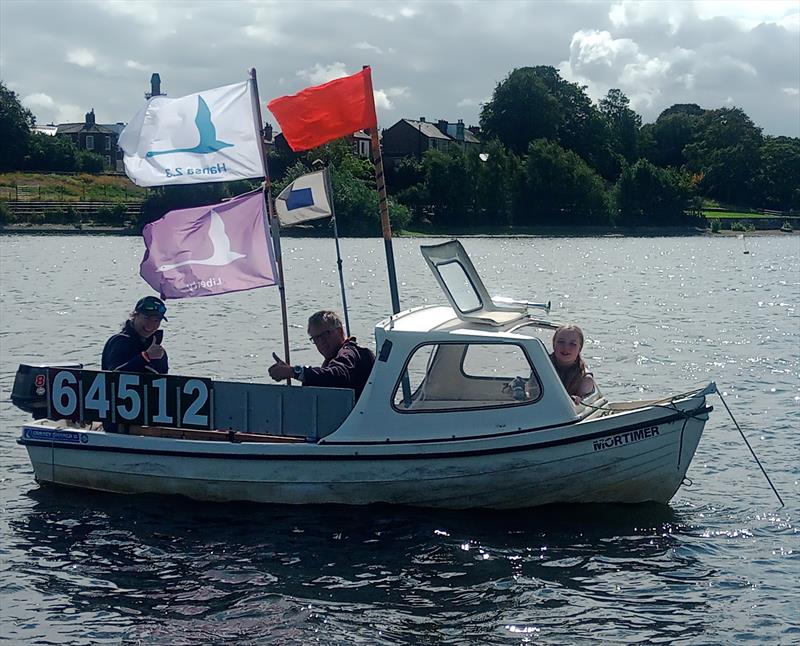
(51, 436)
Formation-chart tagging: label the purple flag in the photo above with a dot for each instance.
(209, 250)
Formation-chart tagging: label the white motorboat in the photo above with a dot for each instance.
(463, 409)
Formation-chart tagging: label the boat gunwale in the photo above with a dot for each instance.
(700, 410)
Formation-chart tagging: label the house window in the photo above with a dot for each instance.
(364, 148)
(108, 142)
(459, 376)
(89, 142)
(108, 161)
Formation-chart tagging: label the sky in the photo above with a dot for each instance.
(437, 59)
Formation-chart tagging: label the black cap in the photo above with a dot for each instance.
(151, 305)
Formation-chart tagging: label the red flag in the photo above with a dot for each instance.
(319, 114)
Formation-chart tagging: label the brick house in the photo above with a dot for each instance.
(411, 138)
(98, 138)
(463, 137)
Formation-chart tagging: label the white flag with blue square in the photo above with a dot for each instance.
(303, 200)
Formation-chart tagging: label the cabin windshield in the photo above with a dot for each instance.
(456, 376)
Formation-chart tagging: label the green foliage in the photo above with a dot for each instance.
(450, 187)
(715, 224)
(113, 216)
(90, 162)
(559, 186)
(6, 216)
(742, 226)
(648, 195)
(778, 179)
(46, 153)
(66, 215)
(623, 124)
(663, 142)
(15, 129)
(727, 151)
(498, 183)
(521, 109)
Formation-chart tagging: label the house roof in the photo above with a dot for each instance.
(74, 128)
(470, 138)
(428, 129)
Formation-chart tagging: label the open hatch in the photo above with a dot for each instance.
(465, 290)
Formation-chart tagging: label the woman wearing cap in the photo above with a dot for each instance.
(137, 348)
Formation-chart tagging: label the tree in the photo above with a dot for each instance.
(449, 187)
(560, 186)
(15, 130)
(536, 103)
(498, 178)
(648, 195)
(778, 184)
(727, 150)
(623, 124)
(665, 140)
(522, 108)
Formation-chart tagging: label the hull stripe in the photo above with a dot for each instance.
(355, 455)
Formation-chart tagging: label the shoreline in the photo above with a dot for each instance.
(527, 232)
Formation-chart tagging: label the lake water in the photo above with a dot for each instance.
(720, 564)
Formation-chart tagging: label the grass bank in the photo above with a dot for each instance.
(62, 187)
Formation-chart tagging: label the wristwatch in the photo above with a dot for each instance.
(297, 372)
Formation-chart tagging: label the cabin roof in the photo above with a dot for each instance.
(438, 318)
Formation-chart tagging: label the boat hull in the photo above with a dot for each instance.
(631, 457)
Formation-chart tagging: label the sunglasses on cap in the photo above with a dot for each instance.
(151, 306)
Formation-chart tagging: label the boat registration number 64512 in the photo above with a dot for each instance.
(130, 398)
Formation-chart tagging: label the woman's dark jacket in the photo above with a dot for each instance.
(123, 352)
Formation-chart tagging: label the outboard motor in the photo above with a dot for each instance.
(30, 387)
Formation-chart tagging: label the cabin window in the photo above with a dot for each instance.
(460, 286)
(458, 376)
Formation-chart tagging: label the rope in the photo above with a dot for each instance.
(753, 453)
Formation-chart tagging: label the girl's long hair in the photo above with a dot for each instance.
(571, 376)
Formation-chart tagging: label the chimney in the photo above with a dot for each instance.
(90, 118)
(422, 119)
(268, 131)
(441, 124)
(155, 87)
(460, 130)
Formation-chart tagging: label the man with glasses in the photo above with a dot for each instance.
(137, 347)
(346, 365)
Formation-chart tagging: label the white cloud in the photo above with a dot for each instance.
(141, 11)
(135, 65)
(369, 47)
(791, 91)
(48, 110)
(382, 101)
(383, 97)
(81, 57)
(593, 46)
(318, 74)
(471, 103)
(390, 15)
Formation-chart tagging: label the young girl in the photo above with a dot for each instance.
(566, 357)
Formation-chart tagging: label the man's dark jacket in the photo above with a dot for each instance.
(123, 352)
(350, 368)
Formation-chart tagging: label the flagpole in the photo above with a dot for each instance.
(273, 221)
(329, 190)
(383, 202)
